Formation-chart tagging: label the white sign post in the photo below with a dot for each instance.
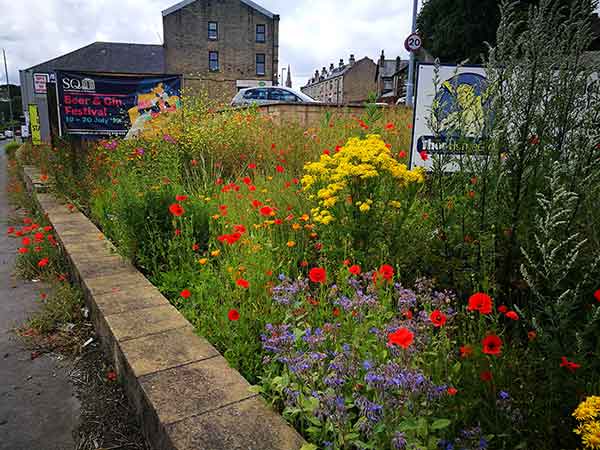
(460, 98)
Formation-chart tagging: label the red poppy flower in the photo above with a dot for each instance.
(423, 154)
(251, 166)
(247, 180)
(402, 337)
(195, 247)
(39, 237)
(256, 203)
(242, 283)
(176, 209)
(486, 375)
(438, 318)
(27, 221)
(252, 188)
(181, 198)
(569, 365)
(26, 241)
(326, 152)
(43, 262)
(23, 250)
(336, 312)
(452, 391)
(219, 181)
(402, 154)
(466, 351)
(408, 314)
(531, 335)
(10, 230)
(239, 228)
(279, 169)
(389, 126)
(278, 221)
(185, 294)
(386, 271)
(388, 146)
(354, 270)
(492, 345)
(233, 315)
(480, 302)
(338, 148)
(512, 315)
(346, 262)
(266, 211)
(317, 275)
(502, 309)
(177, 232)
(597, 295)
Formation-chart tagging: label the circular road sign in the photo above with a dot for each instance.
(413, 43)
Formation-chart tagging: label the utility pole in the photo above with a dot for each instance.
(12, 127)
(410, 87)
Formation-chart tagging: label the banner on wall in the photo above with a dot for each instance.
(34, 123)
(461, 98)
(105, 105)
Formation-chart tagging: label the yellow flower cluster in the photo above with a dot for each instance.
(588, 416)
(359, 160)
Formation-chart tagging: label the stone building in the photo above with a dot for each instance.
(391, 77)
(221, 45)
(343, 84)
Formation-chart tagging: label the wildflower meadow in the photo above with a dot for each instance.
(373, 305)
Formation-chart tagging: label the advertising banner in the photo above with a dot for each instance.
(460, 99)
(34, 122)
(105, 105)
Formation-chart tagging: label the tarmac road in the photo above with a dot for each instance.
(38, 407)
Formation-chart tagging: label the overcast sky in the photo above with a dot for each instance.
(313, 33)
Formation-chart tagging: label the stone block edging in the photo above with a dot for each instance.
(186, 395)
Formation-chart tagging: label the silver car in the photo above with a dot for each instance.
(269, 95)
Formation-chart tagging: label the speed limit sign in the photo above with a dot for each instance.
(413, 43)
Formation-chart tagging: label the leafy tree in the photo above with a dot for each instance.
(456, 30)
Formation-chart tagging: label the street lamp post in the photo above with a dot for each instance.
(12, 127)
(411, 61)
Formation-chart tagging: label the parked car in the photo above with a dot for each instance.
(269, 95)
(8, 134)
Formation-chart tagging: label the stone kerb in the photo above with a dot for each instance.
(184, 392)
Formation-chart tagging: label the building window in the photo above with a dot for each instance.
(388, 84)
(260, 64)
(213, 31)
(213, 61)
(261, 31)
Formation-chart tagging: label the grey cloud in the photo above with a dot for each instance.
(313, 33)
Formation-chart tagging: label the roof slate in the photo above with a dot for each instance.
(110, 57)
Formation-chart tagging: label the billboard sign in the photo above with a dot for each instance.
(461, 98)
(107, 105)
(39, 83)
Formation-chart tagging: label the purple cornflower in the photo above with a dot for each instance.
(399, 441)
